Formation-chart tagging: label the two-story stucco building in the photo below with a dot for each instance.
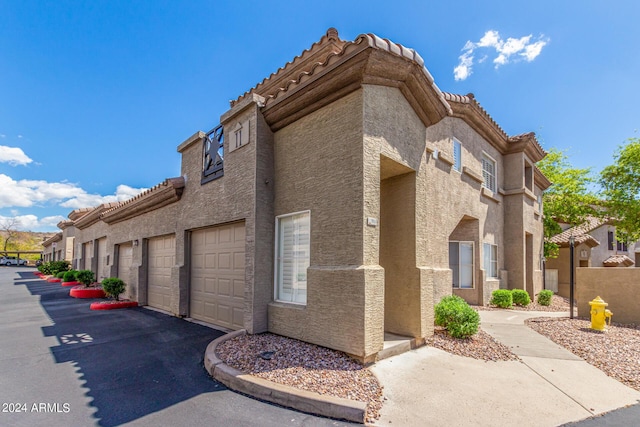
(338, 200)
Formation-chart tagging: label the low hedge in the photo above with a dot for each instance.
(521, 297)
(460, 320)
(502, 298)
(544, 297)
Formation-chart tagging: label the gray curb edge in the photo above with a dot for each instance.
(290, 397)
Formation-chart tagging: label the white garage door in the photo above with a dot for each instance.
(125, 260)
(161, 257)
(217, 275)
(102, 258)
(88, 255)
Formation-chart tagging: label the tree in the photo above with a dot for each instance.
(569, 200)
(9, 229)
(620, 184)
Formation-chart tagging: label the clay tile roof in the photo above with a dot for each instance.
(618, 261)
(167, 192)
(326, 52)
(55, 238)
(64, 224)
(470, 100)
(580, 233)
(93, 215)
(330, 42)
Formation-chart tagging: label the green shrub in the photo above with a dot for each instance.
(457, 316)
(85, 277)
(69, 276)
(520, 297)
(46, 268)
(544, 297)
(113, 287)
(60, 275)
(57, 266)
(502, 298)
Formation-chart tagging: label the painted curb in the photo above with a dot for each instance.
(99, 305)
(70, 283)
(86, 293)
(290, 397)
(54, 280)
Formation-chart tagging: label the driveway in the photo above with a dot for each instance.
(62, 364)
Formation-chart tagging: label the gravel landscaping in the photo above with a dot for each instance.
(321, 370)
(305, 366)
(615, 352)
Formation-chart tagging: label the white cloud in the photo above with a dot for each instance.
(510, 50)
(13, 155)
(31, 222)
(27, 193)
(83, 200)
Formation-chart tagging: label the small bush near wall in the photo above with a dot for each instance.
(60, 274)
(69, 276)
(502, 298)
(457, 316)
(544, 297)
(85, 277)
(113, 287)
(521, 297)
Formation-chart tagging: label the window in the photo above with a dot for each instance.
(610, 240)
(490, 259)
(292, 257)
(622, 247)
(213, 155)
(528, 176)
(461, 264)
(489, 173)
(457, 155)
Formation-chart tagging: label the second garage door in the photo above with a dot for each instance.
(217, 275)
(162, 257)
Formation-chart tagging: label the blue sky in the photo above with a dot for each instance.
(95, 96)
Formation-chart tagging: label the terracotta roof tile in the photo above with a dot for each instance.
(580, 233)
(618, 261)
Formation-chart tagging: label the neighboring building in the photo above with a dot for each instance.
(595, 245)
(340, 199)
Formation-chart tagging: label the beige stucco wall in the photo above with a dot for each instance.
(451, 197)
(318, 167)
(228, 199)
(619, 287)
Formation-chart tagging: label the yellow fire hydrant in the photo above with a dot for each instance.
(599, 314)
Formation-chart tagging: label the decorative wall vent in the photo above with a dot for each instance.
(213, 155)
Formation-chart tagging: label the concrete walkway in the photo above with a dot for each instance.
(549, 387)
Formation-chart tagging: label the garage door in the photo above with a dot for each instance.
(87, 253)
(217, 275)
(102, 257)
(161, 257)
(125, 260)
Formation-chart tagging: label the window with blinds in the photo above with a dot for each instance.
(489, 173)
(292, 257)
(457, 155)
(490, 259)
(461, 264)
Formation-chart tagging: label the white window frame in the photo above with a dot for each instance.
(492, 185)
(297, 297)
(490, 260)
(472, 265)
(457, 160)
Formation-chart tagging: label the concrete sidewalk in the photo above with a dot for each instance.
(551, 386)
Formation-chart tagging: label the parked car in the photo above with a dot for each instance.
(11, 260)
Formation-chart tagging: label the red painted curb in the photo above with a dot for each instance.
(82, 292)
(74, 283)
(54, 280)
(112, 305)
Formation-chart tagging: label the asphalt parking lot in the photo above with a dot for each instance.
(62, 364)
